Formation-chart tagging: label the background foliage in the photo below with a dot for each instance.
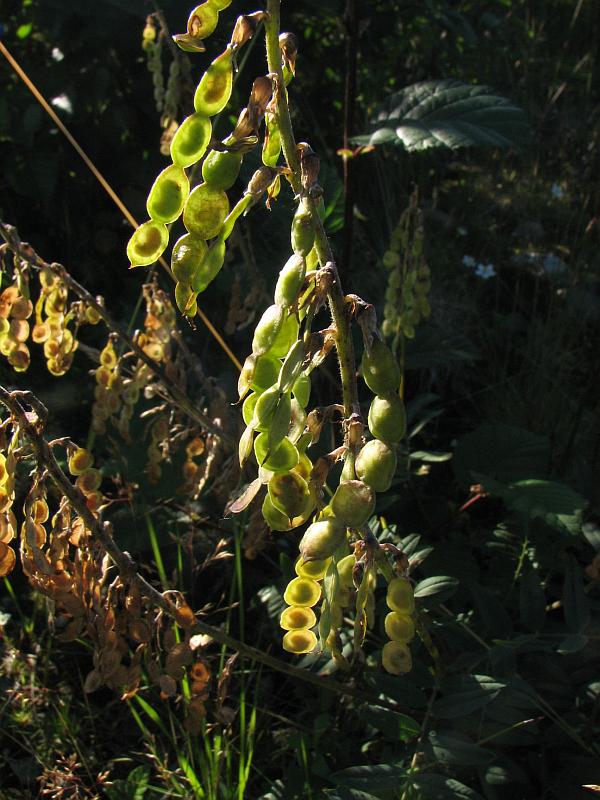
(504, 378)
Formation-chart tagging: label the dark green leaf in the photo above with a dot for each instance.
(491, 610)
(591, 531)
(448, 113)
(439, 787)
(463, 695)
(371, 777)
(572, 643)
(395, 726)
(532, 600)
(439, 584)
(450, 750)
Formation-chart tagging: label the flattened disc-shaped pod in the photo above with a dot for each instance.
(168, 194)
(147, 244)
(191, 140)
(214, 90)
(205, 211)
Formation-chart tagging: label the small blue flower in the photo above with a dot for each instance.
(485, 271)
(468, 261)
(557, 191)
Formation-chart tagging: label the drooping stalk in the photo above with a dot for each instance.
(335, 295)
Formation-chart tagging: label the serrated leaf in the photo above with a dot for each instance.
(448, 113)
(450, 750)
(439, 787)
(463, 695)
(501, 452)
(371, 777)
(439, 584)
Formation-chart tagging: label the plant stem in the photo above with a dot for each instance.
(335, 296)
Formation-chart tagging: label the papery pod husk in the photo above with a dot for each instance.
(266, 373)
(396, 658)
(245, 445)
(187, 256)
(299, 641)
(301, 389)
(302, 592)
(281, 458)
(265, 408)
(191, 140)
(376, 464)
(168, 194)
(380, 370)
(214, 90)
(297, 617)
(267, 329)
(147, 243)
(185, 298)
(203, 20)
(275, 519)
(290, 280)
(292, 367)
(322, 539)
(399, 627)
(400, 595)
(353, 503)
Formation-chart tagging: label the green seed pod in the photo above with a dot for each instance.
(353, 503)
(396, 658)
(400, 595)
(304, 466)
(344, 567)
(275, 519)
(267, 329)
(219, 5)
(303, 231)
(391, 260)
(289, 494)
(292, 366)
(191, 140)
(245, 376)
(220, 170)
(322, 539)
(233, 216)
(202, 21)
(168, 194)
(265, 408)
(205, 211)
(299, 641)
(214, 90)
(375, 465)
(188, 253)
(147, 244)
(387, 419)
(297, 421)
(399, 627)
(286, 336)
(210, 266)
(280, 421)
(312, 569)
(272, 144)
(302, 592)
(265, 374)
(282, 458)
(297, 617)
(186, 299)
(290, 281)
(301, 390)
(248, 408)
(380, 369)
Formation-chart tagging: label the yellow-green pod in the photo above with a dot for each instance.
(289, 494)
(344, 567)
(312, 569)
(281, 458)
(376, 465)
(380, 369)
(191, 140)
(290, 281)
(302, 592)
(205, 211)
(202, 21)
(399, 627)
(303, 231)
(267, 329)
(400, 595)
(188, 253)
(299, 641)
(286, 336)
(275, 519)
(396, 658)
(297, 617)
(168, 194)
(272, 144)
(353, 503)
(214, 90)
(185, 298)
(233, 216)
(210, 266)
(147, 244)
(220, 170)
(387, 419)
(301, 390)
(219, 5)
(265, 375)
(322, 539)
(248, 407)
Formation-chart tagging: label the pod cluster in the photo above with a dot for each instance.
(399, 626)
(87, 478)
(8, 522)
(409, 279)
